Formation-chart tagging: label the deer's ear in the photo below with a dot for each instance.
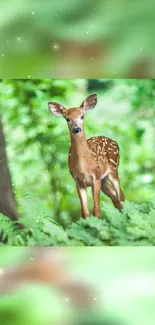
(57, 109)
(89, 103)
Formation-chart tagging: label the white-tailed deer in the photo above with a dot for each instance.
(93, 162)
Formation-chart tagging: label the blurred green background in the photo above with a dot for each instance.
(123, 277)
(77, 39)
(37, 146)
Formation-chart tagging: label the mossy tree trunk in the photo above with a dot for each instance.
(7, 198)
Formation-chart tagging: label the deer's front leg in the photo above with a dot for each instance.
(82, 192)
(96, 187)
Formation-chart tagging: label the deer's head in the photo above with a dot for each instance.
(74, 116)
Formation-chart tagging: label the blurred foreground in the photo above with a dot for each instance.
(101, 286)
(77, 39)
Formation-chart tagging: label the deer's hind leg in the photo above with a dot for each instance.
(108, 189)
(114, 180)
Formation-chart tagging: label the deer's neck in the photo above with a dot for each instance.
(79, 146)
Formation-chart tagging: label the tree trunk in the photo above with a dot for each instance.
(7, 198)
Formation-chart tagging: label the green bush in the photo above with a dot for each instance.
(134, 226)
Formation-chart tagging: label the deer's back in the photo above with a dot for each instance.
(104, 150)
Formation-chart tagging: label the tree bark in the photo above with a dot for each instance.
(7, 198)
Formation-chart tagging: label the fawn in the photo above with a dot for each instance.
(92, 162)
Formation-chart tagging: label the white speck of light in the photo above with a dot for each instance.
(32, 259)
(1, 272)
(94, 298)
(33, 13)
(18, 38)
(56, 47)
(141, 48)
(29, 76)
(86, 32)
(92, 26)
(3, 54)
(92, 58)
(67, 299)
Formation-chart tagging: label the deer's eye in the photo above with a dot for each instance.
(68, 120)
(82, 117)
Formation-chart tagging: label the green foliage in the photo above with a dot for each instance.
(31, 306)
(141, 93)
(27, 118)
(134, 226)
(37, 150)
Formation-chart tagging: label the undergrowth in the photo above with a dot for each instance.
(135, 226)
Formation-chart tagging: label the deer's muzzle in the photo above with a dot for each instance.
(76, 129)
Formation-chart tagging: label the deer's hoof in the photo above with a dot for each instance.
(97, 214)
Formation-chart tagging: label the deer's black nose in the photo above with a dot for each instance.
(76, 129)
